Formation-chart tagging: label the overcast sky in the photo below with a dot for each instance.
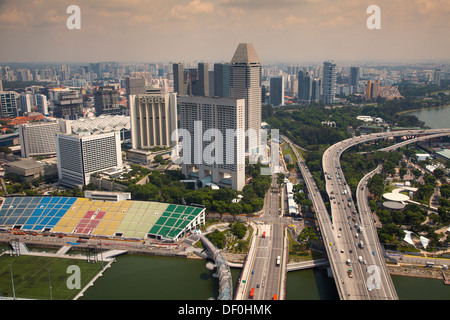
(210, 30)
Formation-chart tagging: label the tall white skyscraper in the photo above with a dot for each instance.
(246, 84)
(153, 119)
(26, 103)
(214, 151)
(329, 82)
(79, 156)
(42, 104)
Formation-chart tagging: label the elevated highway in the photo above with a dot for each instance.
(359, 248)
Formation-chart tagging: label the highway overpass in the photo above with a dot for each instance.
(358, 248)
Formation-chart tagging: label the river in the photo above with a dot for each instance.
(434, 118)
(166, 278)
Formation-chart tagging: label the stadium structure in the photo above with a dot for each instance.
(123, 219)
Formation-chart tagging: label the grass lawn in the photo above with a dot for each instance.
(32, 276)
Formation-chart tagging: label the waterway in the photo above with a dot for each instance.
(166, 278)
(434, 118)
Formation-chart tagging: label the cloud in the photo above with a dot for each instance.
(193, 8)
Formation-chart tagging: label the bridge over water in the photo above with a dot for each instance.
(223, 270)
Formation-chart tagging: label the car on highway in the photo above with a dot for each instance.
(373, 252)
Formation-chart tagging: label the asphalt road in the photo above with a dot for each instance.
(265, 273)
(370, 277)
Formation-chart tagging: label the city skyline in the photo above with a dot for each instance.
(209, 30)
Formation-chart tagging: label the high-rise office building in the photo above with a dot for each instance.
(214, 159)
(437, 77)
(316, 89)
(134, 85)
(153, 118)
(8, 104)
(355, 74)
(304, 87)
(276, 96)
(68, 106)
(201, 87)
(222, 80)
(180, 83)
(369, 89)
(38, 138)
(79, 156)
(194, 81)
(26, 103)
(106, 101)
(329, 82)
(375, 92)
(246, 84)
(42, 104)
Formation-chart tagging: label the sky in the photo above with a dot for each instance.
(291, 31)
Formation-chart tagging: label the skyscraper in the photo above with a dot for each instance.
(355, 73)
(329, 82)
(153, 119)
(316, 88)
(8, 104)
(375, 92)
(369, 89)
(437, 77)
(135, 85)
(304, 87)
(180, 84)
(222, 80)
(246, 84)
(26, 103)
(106, 101)
(217, 156)
(41, 104)
(69, 105)
(191, 81)
(276, 96)
(201, 88)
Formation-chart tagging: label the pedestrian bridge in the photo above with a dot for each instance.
(223, 270)
(307, 264)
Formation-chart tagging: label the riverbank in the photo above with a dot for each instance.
(421, 109)
(417, 271)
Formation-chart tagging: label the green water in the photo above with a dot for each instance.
(156, 278)
(409, 288)
(165, 278)
(434, 118)
(142, 277)
(310, 285)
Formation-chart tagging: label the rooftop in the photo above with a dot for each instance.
(245, 53)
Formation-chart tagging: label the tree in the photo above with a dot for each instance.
(306, 236)
(238, 229)
(158, 158)
(235, 208)
(439, 173)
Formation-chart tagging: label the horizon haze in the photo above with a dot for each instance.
(210, 30)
